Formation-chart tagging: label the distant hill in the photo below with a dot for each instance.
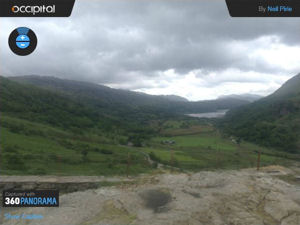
(76, 105)
(114, 99)
(174, 98)
(246, 97)
(271, 121)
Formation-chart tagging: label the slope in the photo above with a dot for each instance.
(272, 121)
(115, 99)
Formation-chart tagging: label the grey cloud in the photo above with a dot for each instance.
(110, 41)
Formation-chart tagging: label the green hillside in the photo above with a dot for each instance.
(34, 148)
(28, 102)
(273, 121)
(47, 131)
(43, 132)
(117, 101)
(57, 109)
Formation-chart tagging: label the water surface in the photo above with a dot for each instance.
(216, 114)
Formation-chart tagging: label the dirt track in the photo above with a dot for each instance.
(245, 197)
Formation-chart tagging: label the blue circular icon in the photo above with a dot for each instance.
(23, 41)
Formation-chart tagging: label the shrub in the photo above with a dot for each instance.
(106, 152)
(14, 161)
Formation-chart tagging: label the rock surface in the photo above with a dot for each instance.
(244, 197)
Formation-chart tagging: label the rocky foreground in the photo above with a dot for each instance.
(244, 197)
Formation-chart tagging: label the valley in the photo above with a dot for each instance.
(28, 149)
(121, 157)
(89, 136)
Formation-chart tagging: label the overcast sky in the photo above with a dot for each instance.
(191, 48)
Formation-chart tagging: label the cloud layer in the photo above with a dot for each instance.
(190, 48)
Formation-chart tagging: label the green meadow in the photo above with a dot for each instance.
(39, 149)
(210, 150)
(30, 148)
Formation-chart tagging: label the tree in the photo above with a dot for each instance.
(84, 154)
(239, 141)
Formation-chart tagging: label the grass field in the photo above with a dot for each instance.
(209, 150)
(32, 148)
(39, 149)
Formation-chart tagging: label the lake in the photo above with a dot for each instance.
(216, 114)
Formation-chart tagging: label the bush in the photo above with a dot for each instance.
(84, 154)
(123, 141)
(154, 157)
(16, 128)
(154, 165)
(39, 171)
(11, 149)
(14, 161)
(106, 152)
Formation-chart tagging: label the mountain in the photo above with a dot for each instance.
(290, 89)
(109, 99)
(246, 97)
(271, 121)
(174, 98)
(26, 102)
(38, 105)
(85, 107)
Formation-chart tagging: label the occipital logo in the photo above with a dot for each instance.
(33, 9)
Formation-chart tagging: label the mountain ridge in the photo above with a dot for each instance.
(247, 97)
(273, 121)
(106, 96)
